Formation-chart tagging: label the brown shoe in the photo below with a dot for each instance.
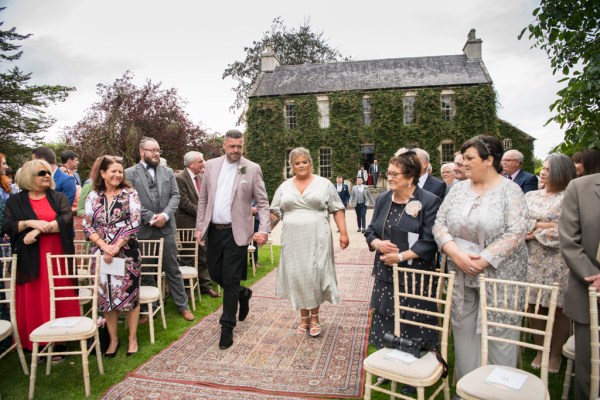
(187, 315)
(212, 293)
(143, 319)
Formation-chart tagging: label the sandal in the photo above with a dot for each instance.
(315, 327)
(303, 327)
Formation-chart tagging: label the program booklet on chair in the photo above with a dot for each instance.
(506, 379)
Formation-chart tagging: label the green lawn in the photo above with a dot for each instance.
(66, 380)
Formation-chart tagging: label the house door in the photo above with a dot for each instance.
(367, 153)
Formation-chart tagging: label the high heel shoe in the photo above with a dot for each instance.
(114, 353)
(315, 327)
(130, 353)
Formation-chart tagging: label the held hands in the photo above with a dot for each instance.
(31, 236)
(260, 238)
(42, 226)
(158, 220)
(389, 258)
(111, 250)
(470, 263)
(386, 246)
(107, 258)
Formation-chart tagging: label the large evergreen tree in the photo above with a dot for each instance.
(22, 115)
(291, 47)
(568, 31)
(125, 113)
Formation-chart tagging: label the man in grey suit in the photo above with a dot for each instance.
(189, 182)
(159, 196)
(225, 224)
(579, 234)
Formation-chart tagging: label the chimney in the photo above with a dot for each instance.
(268, 60)
(472, 48)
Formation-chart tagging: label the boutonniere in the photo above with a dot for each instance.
(242, 169)
(413, 208)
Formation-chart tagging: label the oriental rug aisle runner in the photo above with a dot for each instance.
(268, 360)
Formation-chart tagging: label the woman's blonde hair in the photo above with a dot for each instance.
(298, 152)
(29, 173)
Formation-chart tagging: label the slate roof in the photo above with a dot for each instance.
(393, 73)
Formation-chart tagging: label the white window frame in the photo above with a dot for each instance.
(325, 162)
(366, 102)
(289, 112)
(450, 155)
(323, 106)
(507, 144)
(447, 105)
(287, 168)
(409, 108)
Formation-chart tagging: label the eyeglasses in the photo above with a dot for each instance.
(44, 173)
(155, 151)
(505, 161)
(393, 174)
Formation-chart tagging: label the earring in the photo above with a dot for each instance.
(408, 185)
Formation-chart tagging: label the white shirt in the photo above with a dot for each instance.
(222, 208)
(422, 180)
(193, 176)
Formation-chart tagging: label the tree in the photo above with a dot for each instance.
(292, 47)
(567, 30)
(125, 113)
(22, 116)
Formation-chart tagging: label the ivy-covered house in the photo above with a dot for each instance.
(349, 113)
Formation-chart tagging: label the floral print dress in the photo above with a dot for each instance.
(113, 221)
(545, 264)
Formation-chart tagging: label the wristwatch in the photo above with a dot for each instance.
(400, 257)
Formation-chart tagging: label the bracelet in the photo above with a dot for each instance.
(400, 257)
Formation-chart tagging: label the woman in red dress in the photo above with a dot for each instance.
(39, 220)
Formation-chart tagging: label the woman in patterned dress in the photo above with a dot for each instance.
(408, 212)
(487, 212)
(111, 220)
(306, 273)
(546, 264)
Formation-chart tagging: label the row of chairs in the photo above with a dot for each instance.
(479, 384)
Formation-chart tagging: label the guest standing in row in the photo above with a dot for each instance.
(39, 220)
(488, 213)
(587, 162)
(342, 190)
(111, 221)
(306, 274)
(400, 232)
(512, 168)
(360, 199)
(546, 264)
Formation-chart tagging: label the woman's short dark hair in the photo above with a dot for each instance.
(409, 164)
(562, 170)
(486, 146)
(107, 161)
(590, 158)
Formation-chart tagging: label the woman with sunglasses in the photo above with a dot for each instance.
(38, 220)
(481, 226)
(111, 221)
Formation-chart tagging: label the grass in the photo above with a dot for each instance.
(66, 379)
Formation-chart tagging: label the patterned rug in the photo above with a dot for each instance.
(354, 256)
(268, 360)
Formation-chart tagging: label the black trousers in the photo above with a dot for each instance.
(226, 266)
(361, 215)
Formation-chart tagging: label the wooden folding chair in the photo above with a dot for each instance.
(82, 247)
(412, 284)
(568, 351)
(61, 268)
(486, 382)
(251, 250)
(152, 255)
(187, 249)
(8, 281)
(270, 244)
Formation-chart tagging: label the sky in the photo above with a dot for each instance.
(187, 44)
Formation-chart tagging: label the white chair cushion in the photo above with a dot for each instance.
(49, 332)
(149, 294)
(568, 349)
(86, 293)
(188, 272)
(5, 329)
(422, 369)
(473, 384)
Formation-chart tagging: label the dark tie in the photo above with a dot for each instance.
(197, 182)
(509, 177)
(149, 168)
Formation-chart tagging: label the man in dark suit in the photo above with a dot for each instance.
(374, 172)
(65, 183)
(226, 226)
(426, 181)
(579, 235)
(512, 162)
(70, 160)
(159, 195)
(189, 181)
(342, 190)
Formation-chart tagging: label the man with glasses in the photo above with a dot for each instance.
(512, 162)
(159, 195)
